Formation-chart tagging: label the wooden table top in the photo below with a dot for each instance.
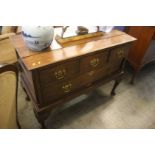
(56, 53)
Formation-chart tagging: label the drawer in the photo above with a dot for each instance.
(118, 53)
(93, 62)
(59, 73)
(116, 57)
(53, 92)
(95, 75)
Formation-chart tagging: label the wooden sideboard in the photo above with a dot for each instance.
(56, 75)
(138, 54)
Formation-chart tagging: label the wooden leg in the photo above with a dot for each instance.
(41, 117)
(27, 98)
(117, 81)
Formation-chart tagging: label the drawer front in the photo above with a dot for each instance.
(117, 54)
(95, 75)
(59, 73)
(93, 62)
(116, 57)
(53, 92)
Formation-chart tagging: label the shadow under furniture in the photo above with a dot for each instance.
(58, 74)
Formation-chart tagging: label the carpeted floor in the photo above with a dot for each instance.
(132, 107)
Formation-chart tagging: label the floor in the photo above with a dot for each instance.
(132, 107)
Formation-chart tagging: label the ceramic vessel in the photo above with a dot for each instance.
(38, 38)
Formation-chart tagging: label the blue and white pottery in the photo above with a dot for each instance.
(38, 38)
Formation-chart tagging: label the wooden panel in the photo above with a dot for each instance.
(116, 56)
(118, 53)
(59, 73)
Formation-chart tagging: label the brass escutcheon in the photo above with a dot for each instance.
(67, 88)
(91, 73)
(120, 53)
(60, 74)
(94, 62)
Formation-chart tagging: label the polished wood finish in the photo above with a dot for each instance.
(138, 55)
(52, 77)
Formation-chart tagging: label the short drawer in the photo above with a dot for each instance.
(95, 75)
(59, 73)
(93, 62)
(118, 53)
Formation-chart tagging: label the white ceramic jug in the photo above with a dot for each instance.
(38, 38)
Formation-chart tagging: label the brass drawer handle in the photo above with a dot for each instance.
(67, 88)
(120, 53)
(60, 74)
(91, 73)
(94, 62)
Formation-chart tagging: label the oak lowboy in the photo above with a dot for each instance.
(52, 77)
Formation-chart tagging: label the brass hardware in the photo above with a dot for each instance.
(60, 74)
(89, 84)
(94, 62)
(91, 73)
(120, 53)
(67, 87)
